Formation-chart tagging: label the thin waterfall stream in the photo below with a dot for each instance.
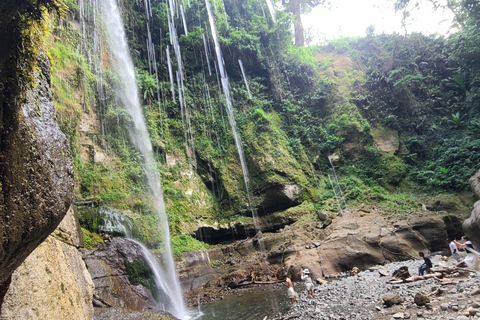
(231, 116)
(128, 95)
(337, 190)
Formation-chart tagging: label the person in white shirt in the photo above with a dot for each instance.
(472, 259)
(308, 283)
(454, 250)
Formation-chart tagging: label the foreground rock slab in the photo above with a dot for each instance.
(53, 282)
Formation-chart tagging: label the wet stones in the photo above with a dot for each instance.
(421, 299)
(391, 299)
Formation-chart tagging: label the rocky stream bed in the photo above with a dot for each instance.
(362, 296)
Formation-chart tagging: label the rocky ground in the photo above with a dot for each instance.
(360, 296)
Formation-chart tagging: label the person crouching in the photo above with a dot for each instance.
(427, 264)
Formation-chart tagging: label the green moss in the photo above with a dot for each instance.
(139, 273)
(183, 243)
(91, 240)
(216, 263)
(393, 169)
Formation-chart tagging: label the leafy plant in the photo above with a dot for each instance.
(456, 119)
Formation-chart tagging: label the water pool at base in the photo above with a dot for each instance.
(256, 303)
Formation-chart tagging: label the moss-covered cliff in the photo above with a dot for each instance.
(383, 108)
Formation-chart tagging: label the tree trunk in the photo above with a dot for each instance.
(299, 31)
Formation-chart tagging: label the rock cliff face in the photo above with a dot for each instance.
(471, 226)
(362, 242)
(36, 174)
(53, 282)
(475, 183)
(106, 264)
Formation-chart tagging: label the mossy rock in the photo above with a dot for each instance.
(386, 139)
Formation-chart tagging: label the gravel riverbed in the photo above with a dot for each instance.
(361, 296)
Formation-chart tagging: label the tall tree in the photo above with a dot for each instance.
(299, 7)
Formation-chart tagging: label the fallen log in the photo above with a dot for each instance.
(418, 278)
(245, 283)
(439, 290)
(293, 316)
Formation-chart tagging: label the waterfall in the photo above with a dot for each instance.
(337, 190)
(245, 78)
(271, 9)
(231, 118)
(128, 94)
(114, 223)
(206, 54)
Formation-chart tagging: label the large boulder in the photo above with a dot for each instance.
(475, 183)
(471, 226)
(361, 242)
(195, 269)
(106, 265)
(279, 197)
(386, 139)
(431, 228)
(36, 173)
(53, 282)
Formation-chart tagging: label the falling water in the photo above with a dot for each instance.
(206, 54)
(337, 190)
(226, 92)
(245, 78)
(231, 117)
(139, 136)
(161, 282)
(113, 222)
(184, 20)
(170, 73)
(271, 9)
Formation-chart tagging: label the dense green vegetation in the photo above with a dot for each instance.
(308, 103)
(139, 272)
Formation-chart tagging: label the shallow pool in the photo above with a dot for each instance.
(247, 305)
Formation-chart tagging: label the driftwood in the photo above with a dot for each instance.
(418, 278)
(437, 273)
(293, 316)
(434, 293)
(245, 282)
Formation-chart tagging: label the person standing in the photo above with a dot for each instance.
(471, 259)
(427, 264)
(454, 250)
(291, 292)
(308, 283)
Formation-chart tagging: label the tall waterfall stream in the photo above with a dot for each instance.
(128, 94)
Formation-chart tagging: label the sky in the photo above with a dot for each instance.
(352, 17)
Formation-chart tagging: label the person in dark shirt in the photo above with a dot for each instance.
(426, 266)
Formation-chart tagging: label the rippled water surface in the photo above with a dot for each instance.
(248, 305)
